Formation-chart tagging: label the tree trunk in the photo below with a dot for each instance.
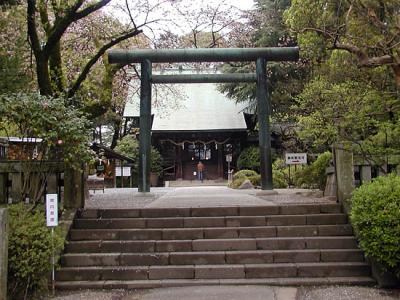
(43, 76)
(117, 127)
(56, 71)
(396, 69)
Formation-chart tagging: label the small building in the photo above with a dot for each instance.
(16, 148)
(192, 123)
(114, 168)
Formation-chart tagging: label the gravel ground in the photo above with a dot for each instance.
(123, 198)
(347, 293)
(199, 196)
(237, 293)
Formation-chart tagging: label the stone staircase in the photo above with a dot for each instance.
(279, 245)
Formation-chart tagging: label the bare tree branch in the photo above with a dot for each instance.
(82, 76)
(72, 15)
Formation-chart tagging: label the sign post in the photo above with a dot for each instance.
(52, 221)
(295, 159)
(229, 160)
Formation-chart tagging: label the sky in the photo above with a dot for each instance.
(166, 15)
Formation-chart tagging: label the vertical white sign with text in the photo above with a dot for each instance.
(51, 210)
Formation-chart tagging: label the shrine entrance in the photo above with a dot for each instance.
(149, 56)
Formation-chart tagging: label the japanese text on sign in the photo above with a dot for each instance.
(296, 158)
(51, 210)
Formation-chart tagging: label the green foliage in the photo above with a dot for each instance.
(237, 182)
(354, 26)
(279, 178)
(285, 80)
(30, 249)
(129, 146)
(244, 173)
(249, 158)
(64, 130)
(352, 96)
(314, 176)
(255, 179)
(280, 174)
(375, 215)
(57, 132)
(345, 103)
(15, 66)
(156, 161)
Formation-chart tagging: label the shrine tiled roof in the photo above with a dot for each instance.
(190, 107)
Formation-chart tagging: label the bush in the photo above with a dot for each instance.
(29, 250)
(313, 176)
(129, 146)
(255, 180)
(249, 158)
(375, 215)
(244, 173)
(237, 182)
(279, 179)
(156, 161)
(59, 131)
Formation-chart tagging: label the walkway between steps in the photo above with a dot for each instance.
(207, 196)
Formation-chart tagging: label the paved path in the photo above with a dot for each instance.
(198, 197)
(238, 293)
(207, 196)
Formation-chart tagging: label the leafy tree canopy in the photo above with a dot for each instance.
(369, 30)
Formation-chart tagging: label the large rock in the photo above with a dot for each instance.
(246, 185)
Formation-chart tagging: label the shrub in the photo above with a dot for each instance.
(155, 161)
(244, 173)
(313, 176)
(30, 250)
(59, 132)
(255, 180)
(375, 215)
(279, 179)
(237, 182)
(249, 158)
(129, 146)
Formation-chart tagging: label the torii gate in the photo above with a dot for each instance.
(260, 55)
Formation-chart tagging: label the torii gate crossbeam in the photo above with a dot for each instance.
(260, 55)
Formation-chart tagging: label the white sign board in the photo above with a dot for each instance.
(296, 158)
(229, 158)
(126, 171)
(51, 210)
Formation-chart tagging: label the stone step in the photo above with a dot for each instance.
(221, 221)
(211, 257)
(211, 211)
(146, 284)
(281, 243)
(210, 232)
(228, 271)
